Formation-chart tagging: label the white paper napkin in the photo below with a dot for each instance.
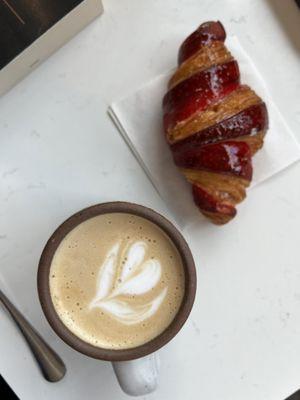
(139, 120)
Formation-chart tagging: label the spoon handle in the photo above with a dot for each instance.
(50, 363)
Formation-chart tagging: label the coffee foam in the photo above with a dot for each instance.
(117, 281)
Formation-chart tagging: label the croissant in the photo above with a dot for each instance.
(213, 123)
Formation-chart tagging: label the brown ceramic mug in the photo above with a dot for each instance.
(136, 368)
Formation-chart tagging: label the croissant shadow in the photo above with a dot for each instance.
(176, 193)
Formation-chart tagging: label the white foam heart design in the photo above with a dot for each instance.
(134, 277)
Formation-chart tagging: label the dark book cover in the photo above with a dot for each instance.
(24, 21)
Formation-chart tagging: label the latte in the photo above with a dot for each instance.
(117, 281)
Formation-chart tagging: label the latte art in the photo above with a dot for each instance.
(116, 281)
(135, 277)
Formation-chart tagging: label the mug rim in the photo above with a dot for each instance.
(44, 287)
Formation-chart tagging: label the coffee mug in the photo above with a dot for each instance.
(136, 368)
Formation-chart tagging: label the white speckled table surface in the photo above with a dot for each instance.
(59, 152)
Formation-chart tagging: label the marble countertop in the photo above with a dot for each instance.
(59, 152)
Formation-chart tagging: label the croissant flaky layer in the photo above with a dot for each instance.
(213, 123)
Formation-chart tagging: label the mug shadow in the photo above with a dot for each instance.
(288, 15)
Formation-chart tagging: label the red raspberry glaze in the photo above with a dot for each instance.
(199, 91)
(229, 157)
(206, 202)
(204, 35)
(250, 121)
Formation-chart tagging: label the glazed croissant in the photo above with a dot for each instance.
(213, 123)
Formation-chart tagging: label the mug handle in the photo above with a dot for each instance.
(138, 377)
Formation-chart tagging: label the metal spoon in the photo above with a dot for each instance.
(50, 363)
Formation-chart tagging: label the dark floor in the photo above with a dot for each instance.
(7, 394)
(5, 391)
(295, 396)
